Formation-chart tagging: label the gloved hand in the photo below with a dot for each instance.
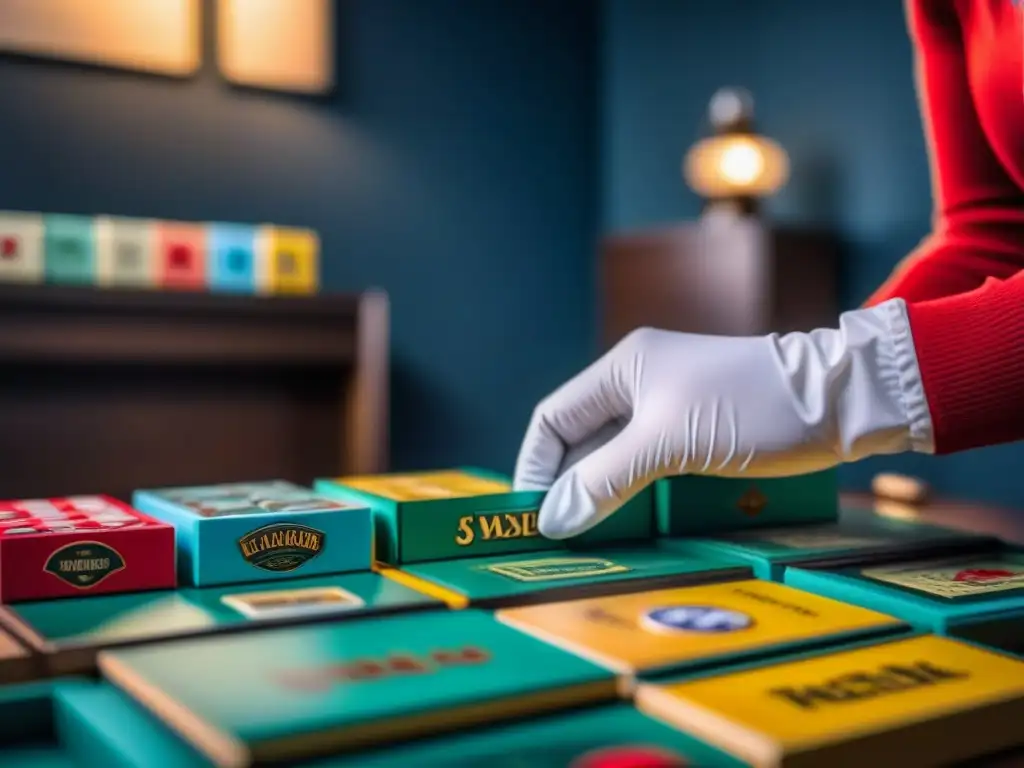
(663, 403)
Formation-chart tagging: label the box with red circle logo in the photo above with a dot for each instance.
(977, 596)
(21, 247)
(81, 545)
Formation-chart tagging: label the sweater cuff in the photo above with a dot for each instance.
(908, 387)
(969, 354)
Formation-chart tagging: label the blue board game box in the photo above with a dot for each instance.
(242, 532)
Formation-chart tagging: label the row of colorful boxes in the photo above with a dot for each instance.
(111, 251)
(465, 538)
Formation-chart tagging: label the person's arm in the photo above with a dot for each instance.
(979, 211)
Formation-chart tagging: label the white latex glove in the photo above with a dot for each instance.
(663, 403)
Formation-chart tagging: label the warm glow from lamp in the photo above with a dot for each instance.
(736, 165)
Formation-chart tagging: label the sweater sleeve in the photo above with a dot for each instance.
(979, 211)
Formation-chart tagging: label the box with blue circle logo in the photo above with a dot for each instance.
(692, 628)
(232, 258)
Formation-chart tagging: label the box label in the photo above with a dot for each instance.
(84, 564)
(289, 603)
(557, 568)
(676, 619)
(827, 698)
(250, 498)
(492, 526)
(951, 579)
(424, 486)
(281, 547)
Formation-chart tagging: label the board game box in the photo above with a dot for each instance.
(690, 628)
(81, 545)
(916, 702)
(245, 532)
(858, 537)
(68, 634)
(975, 596)
(507, 580)
(448, 514)
(701, 504)
(612, 736)
(286, 694)
(79, 723)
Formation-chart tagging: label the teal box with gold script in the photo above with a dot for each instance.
(700, 504)
(978, 597)
(244, 532)
(457, 513)
(283, 695)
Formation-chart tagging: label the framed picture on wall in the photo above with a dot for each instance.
(155, 36)
(279, 45)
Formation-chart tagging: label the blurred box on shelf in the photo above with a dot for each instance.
(70, 243)
(181, 255)
(289, 260)
(22, 249)
(126, 253)
(232, 258)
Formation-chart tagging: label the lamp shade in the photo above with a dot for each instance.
(736, 165)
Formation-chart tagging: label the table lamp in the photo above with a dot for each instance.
(735, 167)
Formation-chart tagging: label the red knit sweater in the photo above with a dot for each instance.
(964, 285)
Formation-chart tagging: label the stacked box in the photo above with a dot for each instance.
(241, 532)
(81, 545)
(68, 634)
(425, 516)
(858, 537)
(916, 702)
(976, 596)
(699, 504)
(691, 628)
(616, 736)
(466, 537)
(287, 694)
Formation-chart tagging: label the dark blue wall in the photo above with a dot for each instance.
(833, 82)
(455, 168)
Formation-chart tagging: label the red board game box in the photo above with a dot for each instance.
(81, 545)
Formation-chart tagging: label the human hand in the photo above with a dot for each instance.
(663, 403)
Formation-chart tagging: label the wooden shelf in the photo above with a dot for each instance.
(110, 390)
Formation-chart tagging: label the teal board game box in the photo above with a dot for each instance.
(244, 532)
(610, 736)
(978, 596)
(859, 536)
(68, 633)
(459, 513)
(507, 580)
(79, 723)
(286, 694)
(699, 504)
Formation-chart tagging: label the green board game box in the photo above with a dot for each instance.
(78, 723)
(859, 536)
(978, 596)
(287, 694)
(67, 634)
(457, 513)
(610, 736)
(244, 532)
(507, 580)
(700, 504)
